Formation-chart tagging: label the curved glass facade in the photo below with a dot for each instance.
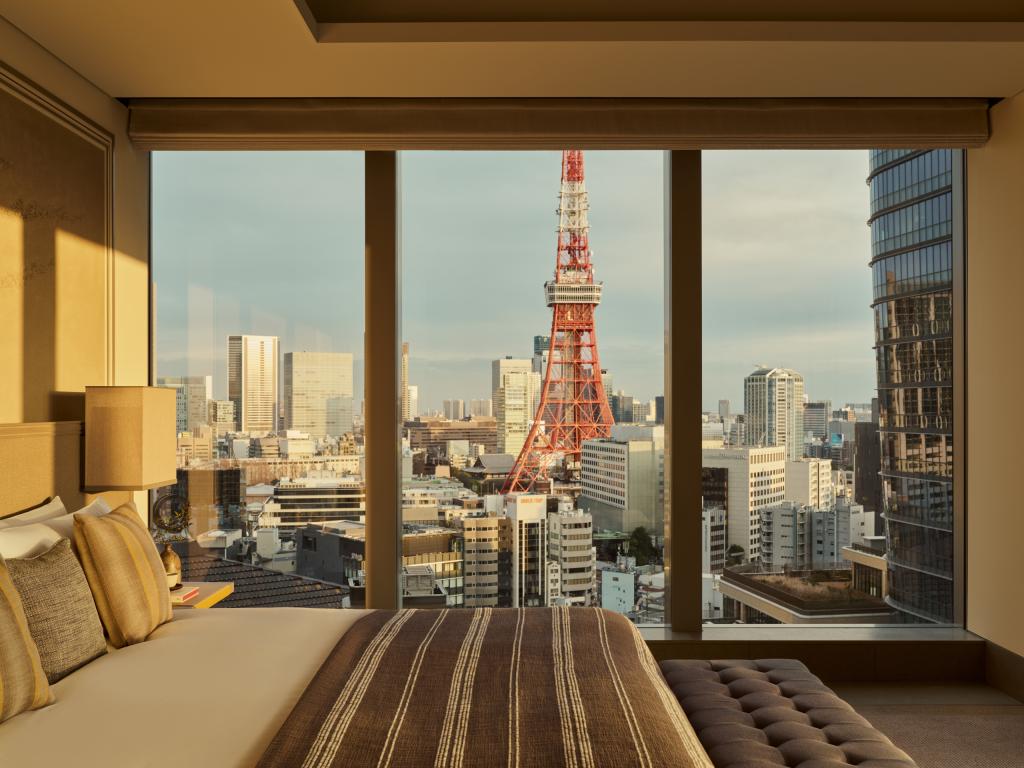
(912, 277)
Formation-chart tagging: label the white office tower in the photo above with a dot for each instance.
(773, 403)
(571, 546)
(756, 479)
(528, 515)
(252, 382)
(191, 395)
(809, 481)
(483, 539)
(799, 537)
(481, 408)
(405, 405)
(713, 540)
(414, 400)
(318, 393)
(454, 409)
(516, 388)
(220, 415)
(623, 479)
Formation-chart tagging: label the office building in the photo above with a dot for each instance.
(623, 479)
(571, 546)
(414, 400)
(298, 501)
(433, 434)
(191, 394)
(528, 517)
(405, 406)
(817, 414)
(659, 409)
(454, 409)
(773, 403)
(318, 393)
(914, 200)
(220, 415)
(481, 407)
(723, 410)
(253, 382)
(756, 479)
(809, 481)
(487, 557)
(713, 539)
(516, 390)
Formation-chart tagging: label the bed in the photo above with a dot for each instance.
(273, 686)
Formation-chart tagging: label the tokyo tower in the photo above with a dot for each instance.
(572, 406)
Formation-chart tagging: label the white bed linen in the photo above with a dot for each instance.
(210, 688)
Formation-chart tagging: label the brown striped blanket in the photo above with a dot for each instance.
(490, 687)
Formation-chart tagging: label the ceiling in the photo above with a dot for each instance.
(389, 48)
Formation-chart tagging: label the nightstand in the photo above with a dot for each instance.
(210, 593)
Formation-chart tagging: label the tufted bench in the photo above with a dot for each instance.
(773, 712)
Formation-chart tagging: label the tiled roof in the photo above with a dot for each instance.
(258, 587)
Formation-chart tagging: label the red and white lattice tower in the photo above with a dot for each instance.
(572, 406)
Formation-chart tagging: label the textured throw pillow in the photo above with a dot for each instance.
(125, 574)
(23, 683)
(51, 509)
(58, 605)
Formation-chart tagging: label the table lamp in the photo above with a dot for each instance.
(130, 446)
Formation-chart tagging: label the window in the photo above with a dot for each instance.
(258, 307)
(837, 379)
(532, 395)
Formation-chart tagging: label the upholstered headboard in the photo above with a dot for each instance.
(42, 460)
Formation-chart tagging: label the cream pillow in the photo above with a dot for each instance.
(52, 508)
(125, 574)
(27, 540)
(65, 524)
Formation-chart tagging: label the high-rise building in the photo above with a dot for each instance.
(623, 479)
(191, 394)
(318, 393)
(773, 403)
(414, 400)
(817, 414)
(914, 197)
(516, 388)
(756, 479)
(529, 520)
(481, 407)
(622, 407)
(809, 481)
(723, 410)
(252, 382)
(659, 409)
(713, 539)
(406, 406)
(220, 415)
(541, 351)
(571, 546)
(454, 409)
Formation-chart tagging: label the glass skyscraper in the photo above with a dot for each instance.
(912, 232)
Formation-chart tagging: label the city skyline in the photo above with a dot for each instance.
(225, 215)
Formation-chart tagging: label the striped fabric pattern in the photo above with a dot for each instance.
(23, 683)
(494, 687)
(125, 574)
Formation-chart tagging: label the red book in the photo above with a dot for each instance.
(183, 595)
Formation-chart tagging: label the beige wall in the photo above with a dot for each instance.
(995, 283)
(74, 239)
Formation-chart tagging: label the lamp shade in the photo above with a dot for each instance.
(129, 438)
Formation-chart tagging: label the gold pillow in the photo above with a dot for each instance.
(125, 574)
(23, 683)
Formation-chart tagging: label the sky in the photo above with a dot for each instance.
(272, 243)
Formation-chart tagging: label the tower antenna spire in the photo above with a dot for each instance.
(573, 406)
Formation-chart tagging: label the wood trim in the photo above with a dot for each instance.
(683, 390)
(42, 100)
(381, 385)
(587, 123)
